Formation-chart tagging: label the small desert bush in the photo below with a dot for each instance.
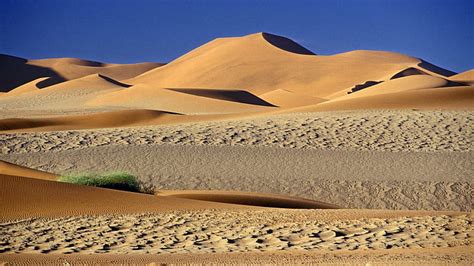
(113, 180)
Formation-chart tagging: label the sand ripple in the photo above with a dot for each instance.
(368, 130)
(213, 231)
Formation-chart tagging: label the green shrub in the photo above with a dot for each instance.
(113, 180)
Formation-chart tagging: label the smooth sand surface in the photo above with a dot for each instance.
(449, 98)
(7, 168)
(144, 96)
(24, 197)
(266, 66)
(466, 76)
(17, 71)
(72, 68)
(120, 118)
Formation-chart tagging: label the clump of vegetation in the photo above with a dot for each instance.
(113, 180)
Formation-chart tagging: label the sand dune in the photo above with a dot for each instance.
(24, 197)
(64, 96)
(175, 100)
(410, 82)
(72, 68)
(466, 77)
(29, 87)
(95, 120)
(450, 98)
(265, 67)
(18, 71)
(7, 168)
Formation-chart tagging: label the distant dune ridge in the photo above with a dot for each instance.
(256, 73)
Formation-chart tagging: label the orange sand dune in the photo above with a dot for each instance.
(467, 77)
(17, 71)
(24, 197)
(185, 101)
(90, 82)
(7, 168)
(454, 98)
(72, 68)
(66, 95)
(96, 120)
(411, 82)
(268, 64)
(24, 194)
(27, 87)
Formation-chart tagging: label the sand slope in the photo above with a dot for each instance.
(64, 96)
(7, 168)
(174, 100)
(450, 98)
(18, 71)
(95, 120)
(24, 197)
(467, 77)
(27, 87)
(267, 66)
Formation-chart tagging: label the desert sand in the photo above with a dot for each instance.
(281, 153)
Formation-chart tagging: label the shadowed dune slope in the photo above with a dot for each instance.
(452, 98)
(63, 96)
(97, 120)
(7, 168)
(286, 44)
(239, 96)
(90, 82)
(27, 87)
(247, 198)
(17, 71)
(149, 97)
(409, 72)
(266, 66)
(72, 68)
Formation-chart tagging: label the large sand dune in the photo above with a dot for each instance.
(265, 67)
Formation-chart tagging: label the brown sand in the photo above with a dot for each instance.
(425, 256)
(239, 127)
(467, 76)
(10, 169)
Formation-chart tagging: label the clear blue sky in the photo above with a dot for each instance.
(125, 31)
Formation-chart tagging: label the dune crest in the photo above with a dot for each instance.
(220, 64)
